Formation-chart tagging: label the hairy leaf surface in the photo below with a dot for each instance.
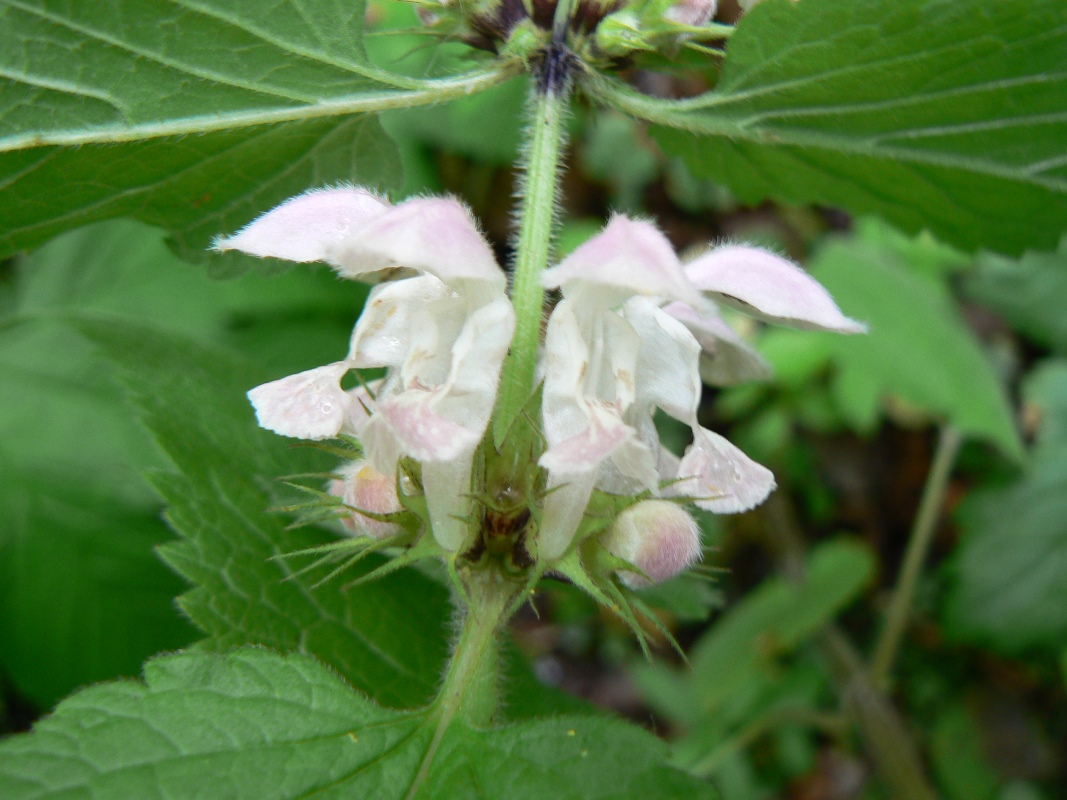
(196, 115)
(945, 115)
(256, 725)
(1007, 587)
(386, 637)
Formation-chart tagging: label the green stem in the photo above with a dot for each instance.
(884, 732)
(546, 136)
(470, 687)
(922, 536)
(832, 724)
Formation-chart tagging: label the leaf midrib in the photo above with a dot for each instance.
(681, 115)
(429, 91)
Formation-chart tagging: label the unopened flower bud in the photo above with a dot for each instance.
(365, 488)
(620, 34)
(656, 536)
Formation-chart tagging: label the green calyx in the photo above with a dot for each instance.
(652, 26)
(597, 31)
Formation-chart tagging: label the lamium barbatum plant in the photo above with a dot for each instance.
(495, 428)
(509, 456)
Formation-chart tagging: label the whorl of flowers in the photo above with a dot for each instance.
(636, 330)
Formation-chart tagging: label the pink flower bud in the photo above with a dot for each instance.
(365, 488)
(658, 537)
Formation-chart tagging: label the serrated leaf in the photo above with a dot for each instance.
(83, 597)
(917, 348)
(1007, 585)
(72, 453)
(195, 115)
(945, 115)
(386, 637)
(254, 724)
(1031, 293)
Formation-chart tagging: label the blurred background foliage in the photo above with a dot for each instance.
(771, 702)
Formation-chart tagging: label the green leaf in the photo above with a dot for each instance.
(917, 349)
(1007, 588)
(75, 510)
(689, 597)
(959, 757)
(1031, 293)
(195, 116)
(253, 724)
(83, 597)
(947, 115)
(769, 622)
(386, 637)
(461, 126)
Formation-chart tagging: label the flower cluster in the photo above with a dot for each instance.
(441, 329)
(635, 331)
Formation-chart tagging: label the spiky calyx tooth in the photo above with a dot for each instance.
(656, 536)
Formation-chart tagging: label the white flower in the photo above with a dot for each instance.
(442, 334)
(629, 336)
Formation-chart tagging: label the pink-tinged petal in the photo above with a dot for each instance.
(308, 405)
(725, 479)
(447, 485)
(307, 227)
(726, 358)
(768, 286)
(365, 488)
(422, 433)
(564, 507)
(658, 537)
(584, 452)
(629, 257)
(436, 235)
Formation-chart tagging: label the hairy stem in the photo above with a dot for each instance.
(470, 686)
(922, 536)
(546, 135)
